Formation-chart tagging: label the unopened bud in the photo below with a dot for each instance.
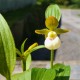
(32, 46)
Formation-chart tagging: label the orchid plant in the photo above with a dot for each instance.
(52, 41)
(51, 32)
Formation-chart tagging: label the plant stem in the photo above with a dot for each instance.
(8, 77)
(24, 65)
(52, 58)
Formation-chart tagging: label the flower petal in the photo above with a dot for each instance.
(52, 44)
(42, 31)
(60, 31)
(51, 23)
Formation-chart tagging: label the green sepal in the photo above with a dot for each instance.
(22, 46)
(7, 50)
(53, 10)
(60, 31)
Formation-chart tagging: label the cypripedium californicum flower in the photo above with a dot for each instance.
(52, 40)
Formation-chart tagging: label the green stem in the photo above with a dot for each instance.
(52, 58)
(24, 65)
(8, 78)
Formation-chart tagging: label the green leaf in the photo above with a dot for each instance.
(67, 71)
(22, 46)
(38, 47)
(58, 66)
(49, 74)
(26, 75)
(27, 52)
(34, 72)
(43, 74)
(60, 31)
(18, 52)
(28, 62)
(7, 49)
(53, 10)
(40, 74)
(37, 73)
(62, 72)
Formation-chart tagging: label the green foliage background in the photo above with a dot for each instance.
(71, 3)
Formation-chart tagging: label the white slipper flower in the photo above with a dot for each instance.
(51, 31)
(52, 42)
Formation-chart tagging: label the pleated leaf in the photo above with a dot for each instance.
(53, 10)
(34, 72)
(26, 75)
(37, 73)
(7, 49)
(49, 74)
(62, 72)
(43, 74)
(40, 74)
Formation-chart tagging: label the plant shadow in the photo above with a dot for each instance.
(62, 78)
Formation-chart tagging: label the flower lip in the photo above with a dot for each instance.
(52, 44)
(52, 35)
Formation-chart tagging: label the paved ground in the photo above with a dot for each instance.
(70, 48)
(69, 53)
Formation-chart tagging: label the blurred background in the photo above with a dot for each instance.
(24, 16)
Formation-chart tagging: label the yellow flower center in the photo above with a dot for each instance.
(52, 34)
